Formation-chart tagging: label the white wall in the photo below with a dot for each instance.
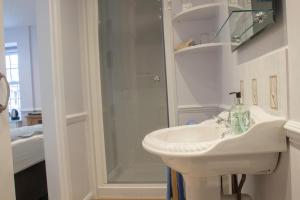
(26, 39)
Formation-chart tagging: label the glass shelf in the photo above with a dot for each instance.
(244, 24)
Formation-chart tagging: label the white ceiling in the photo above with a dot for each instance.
(19, 13)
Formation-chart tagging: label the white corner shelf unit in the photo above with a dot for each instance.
(197, 76)
(201, 12)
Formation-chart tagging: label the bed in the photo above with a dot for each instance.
(29, 162)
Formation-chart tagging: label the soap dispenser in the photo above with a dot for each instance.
(239, 115)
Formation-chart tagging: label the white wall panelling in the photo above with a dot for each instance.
(273, 63)
(293, 132)
(261, 68)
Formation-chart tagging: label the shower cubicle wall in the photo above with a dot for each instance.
(134, 87)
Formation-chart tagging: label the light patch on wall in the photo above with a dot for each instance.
(254, 92)
(273, 92)
(242, 90)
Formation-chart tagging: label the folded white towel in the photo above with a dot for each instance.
(26, 132)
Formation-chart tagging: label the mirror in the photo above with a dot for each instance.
(249, 17)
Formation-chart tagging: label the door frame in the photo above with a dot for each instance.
(7, 190)
(53, 101)
(99, 170)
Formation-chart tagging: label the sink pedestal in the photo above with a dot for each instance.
(202, 188)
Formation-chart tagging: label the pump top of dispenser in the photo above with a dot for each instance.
(238, 96)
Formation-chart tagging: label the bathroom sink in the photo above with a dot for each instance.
(211, 150)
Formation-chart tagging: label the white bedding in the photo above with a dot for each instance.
(26, 132)
(27, 151)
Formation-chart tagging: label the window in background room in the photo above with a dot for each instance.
(12, 72)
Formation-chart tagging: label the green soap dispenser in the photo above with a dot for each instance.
(239, 115)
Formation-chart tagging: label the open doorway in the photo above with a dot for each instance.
(63, 52)
(24, 108)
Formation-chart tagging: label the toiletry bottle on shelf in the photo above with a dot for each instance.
(239, 116)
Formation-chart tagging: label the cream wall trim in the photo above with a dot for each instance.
(89, 196)
(135, 191)
(76, 118)
(293, 131)
(199, 108)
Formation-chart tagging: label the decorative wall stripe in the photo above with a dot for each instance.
(76, 118)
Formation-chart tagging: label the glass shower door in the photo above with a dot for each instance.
(134, 88)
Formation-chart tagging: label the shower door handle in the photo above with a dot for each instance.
(4, 106)
(156, 78)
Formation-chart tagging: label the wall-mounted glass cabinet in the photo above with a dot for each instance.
(247, 18)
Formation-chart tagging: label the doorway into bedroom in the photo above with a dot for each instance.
(24, 107)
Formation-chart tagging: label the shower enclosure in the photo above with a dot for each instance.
(134, 87)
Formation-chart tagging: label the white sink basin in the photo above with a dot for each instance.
(201, 151)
